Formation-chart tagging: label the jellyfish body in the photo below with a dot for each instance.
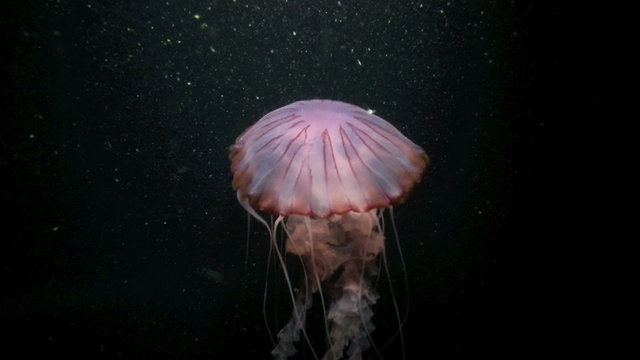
(325, 168)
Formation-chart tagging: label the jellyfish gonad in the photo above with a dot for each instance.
(327, 169)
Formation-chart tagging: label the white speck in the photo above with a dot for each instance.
(371, 111)
(294, 33)
(196, 16)
(359, 63)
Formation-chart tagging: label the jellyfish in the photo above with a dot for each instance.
(327, 169)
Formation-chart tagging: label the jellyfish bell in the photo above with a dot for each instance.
(327, 169)
(322, 157)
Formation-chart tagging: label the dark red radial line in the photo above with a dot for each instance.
(381, 131)
(269, 142)
(377, 129)
(303, 130)
(356, 130)
(363, 163)
(305, 159)
(360, 132)
(366, 133)
(346, 154)
(277, 123)
(295, 153)
(333, 156)
(283, 119)
(279, 113)
(324, 155)
(295, 124)
(335, 165)
(344, 135)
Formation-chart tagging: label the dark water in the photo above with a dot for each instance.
(121, 234)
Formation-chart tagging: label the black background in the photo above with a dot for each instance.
(121, 235)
